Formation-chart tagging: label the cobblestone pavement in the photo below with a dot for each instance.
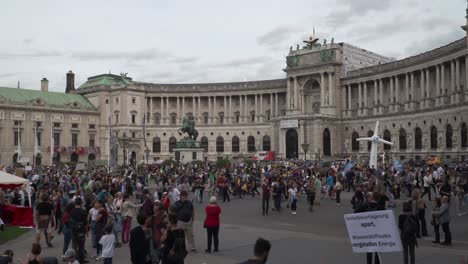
(318, 237)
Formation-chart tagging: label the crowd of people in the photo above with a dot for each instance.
(103, 204)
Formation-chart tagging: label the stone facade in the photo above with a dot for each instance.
(332, 94)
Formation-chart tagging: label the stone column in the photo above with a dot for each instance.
(443, 86)
(193, 108)
(413, 96)
(288, 94)
(225, 107)
(215, 110)
(261, 108)
(199, 115)
(167, 109)
(296, 95)
(466, 77)
(407, 77)
(457, 80)
(359, 99)
(177, 111)
(423, 88)
(428, 90)
(381, 96)
(210, 115)
(349, 99)
(256, 107)
(276, 104)
(161, 114)
(246, 108)
(271, 105)
(230, 109)
(183, 107)
(322, 89)
(150, 117)
(241, 110)
(365, 98)
(330, 89)
(392, 94)
(376, 105)
(437, 85)
(452, 82)
(397, 90)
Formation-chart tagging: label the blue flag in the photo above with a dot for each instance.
(349, 165)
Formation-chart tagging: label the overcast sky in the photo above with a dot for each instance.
(172, 41)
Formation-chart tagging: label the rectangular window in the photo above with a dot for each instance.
(116, 100)
(205, 119)
(116, 118)
(57, 125)
(133, 134)
(56, 139)
(107, 101)
(74, 125)
(38, 124)
(17, 123)
(92, 126)
(253, 118)
(17, 137)
(173, 120)
(237, 118)
(133, 118)
(133, 100)
(91, 140)
(221, 119)
(74, 139)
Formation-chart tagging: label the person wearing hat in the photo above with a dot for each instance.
(70, 256)
(212, 223)
(185, 213)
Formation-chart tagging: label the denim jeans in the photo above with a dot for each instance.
(67, 236)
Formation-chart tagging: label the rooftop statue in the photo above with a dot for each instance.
(188, 126)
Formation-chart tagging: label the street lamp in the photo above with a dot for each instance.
(147, 152)
(305, 148)
(123, 142)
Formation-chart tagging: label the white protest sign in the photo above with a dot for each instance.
(373, 232)
(28, 168)
(80, 166)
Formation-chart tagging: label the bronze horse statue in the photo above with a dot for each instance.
(188, 126)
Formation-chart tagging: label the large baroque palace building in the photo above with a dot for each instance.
(332, 94)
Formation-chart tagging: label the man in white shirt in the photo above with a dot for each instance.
(174, 195)
(427, 179)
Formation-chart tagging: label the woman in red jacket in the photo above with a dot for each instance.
(212, 223)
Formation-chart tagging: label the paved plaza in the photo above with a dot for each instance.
(317, 237)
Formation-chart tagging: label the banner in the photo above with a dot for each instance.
(292, 123)
(397, 165)
(373, 232)
(349, 165)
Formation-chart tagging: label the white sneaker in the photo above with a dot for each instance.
(98, 258)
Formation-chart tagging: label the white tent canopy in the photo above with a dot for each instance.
(6, 179)
(10, 180)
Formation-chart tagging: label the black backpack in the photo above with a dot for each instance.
(178, 251)
(410, 228)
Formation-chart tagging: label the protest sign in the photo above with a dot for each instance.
(373, 232)
(80, 166)
(28, 168)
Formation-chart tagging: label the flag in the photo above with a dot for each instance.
(51, 143)
(349, 165)
(143, 125)
(397, 165)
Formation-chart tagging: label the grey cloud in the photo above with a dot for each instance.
(277, 36)
(242, 62)
(434, 41)
(8, 74)
(33, 54)
(148, 54)
(28, 41)
(349, 9)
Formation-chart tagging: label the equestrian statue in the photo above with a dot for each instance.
(188, 126)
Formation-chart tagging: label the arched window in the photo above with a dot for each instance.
(326, 142)
(156, 145)
(172, 144)
(369, 143)
(219, 144)
(448, 136)
(402, 139)
(235, 144)
(266, 143)
(387, 136)
(417, 138)
(464, 136)
(433, 137)
(251, 144)
(354, 142)
(204, 143)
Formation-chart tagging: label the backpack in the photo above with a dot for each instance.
(76, 227)
(178, 251)
(410, 228)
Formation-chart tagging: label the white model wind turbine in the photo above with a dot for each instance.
(375, 139)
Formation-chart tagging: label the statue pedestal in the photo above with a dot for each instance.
(187, 155)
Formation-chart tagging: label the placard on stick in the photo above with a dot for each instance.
(373, 232)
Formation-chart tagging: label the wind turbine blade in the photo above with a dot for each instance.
(385, 142)
(376, 130)
(363, 139)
